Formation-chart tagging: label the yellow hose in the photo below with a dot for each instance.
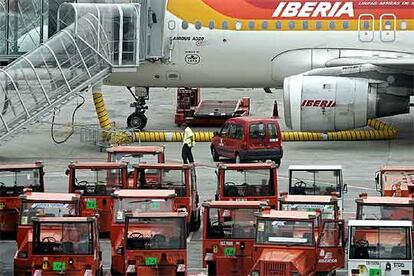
(103, 116)
(379, 131)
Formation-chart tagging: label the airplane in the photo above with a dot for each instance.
(339, 62)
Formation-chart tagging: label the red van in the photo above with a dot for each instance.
(248, 138)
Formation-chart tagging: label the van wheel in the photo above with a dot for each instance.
(277, 162)
(237, 159)
(214, 154)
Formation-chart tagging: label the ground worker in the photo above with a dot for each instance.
(188, 143)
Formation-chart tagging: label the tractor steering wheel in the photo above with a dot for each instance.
(49, 240)
(136, 235)
(300, 184)
(217, 222)
(81, 183)
(362, 243)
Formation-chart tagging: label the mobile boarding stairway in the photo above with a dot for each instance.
(94, 40)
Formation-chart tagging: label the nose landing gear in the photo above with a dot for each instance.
(138, 120)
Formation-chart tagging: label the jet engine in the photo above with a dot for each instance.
(331, 103)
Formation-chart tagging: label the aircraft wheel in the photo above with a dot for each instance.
(137, 120)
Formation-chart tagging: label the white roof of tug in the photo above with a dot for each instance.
(378, 223)
(314, 167)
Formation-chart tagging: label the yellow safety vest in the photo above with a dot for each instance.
(188, 133)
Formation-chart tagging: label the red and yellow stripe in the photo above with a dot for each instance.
(239, 13)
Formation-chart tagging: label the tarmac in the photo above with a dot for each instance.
(360, 160)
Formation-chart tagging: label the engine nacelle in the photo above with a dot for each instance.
(329, 103)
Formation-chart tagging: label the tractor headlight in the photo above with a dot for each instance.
(22, 254)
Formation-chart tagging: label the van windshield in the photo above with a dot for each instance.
(385, 212)
(97, 181)
(162, 179)
(22, 177)
(284, 232)
(135, 158)
(380, 243)
(63, 238)
(231, 223)
(133, 205)
(314, 182)
(327, 210)
(46, 209)
(243, 183)
(155, 233)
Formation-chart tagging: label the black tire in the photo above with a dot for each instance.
(115, 273)
(237, 158)
(214, 154)
(196, 221)
(277, 162)
(211, 268)
(137, 121)
(100, 272)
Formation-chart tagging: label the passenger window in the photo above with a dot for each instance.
(224, 130)
(225, 25)
(211, 25)
(239, 132)
(257, 130)
(403, 25)
(318, 25)
(305, 25)
(251, 25)
(332, 25)
(272, 132)
(198, 25)
(366, 25)
(278, 25)
(345, 25)
(232, 131)
(236, 131)
(291, 25)
(265, 25)
(184, 25)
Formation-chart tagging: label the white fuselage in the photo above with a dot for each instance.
(231, 58)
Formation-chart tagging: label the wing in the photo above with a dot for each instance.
(402, 63)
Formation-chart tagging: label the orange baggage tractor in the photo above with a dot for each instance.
(135, 155)
(96, 182)
(327, 205)
(66, 246)
(384, 208)
(247, 181)
(39, 205)
(289, 242)
(395, 181)
(179, 177)
(228, 236)
(14, 178)
(130, 201)
(156, 244)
